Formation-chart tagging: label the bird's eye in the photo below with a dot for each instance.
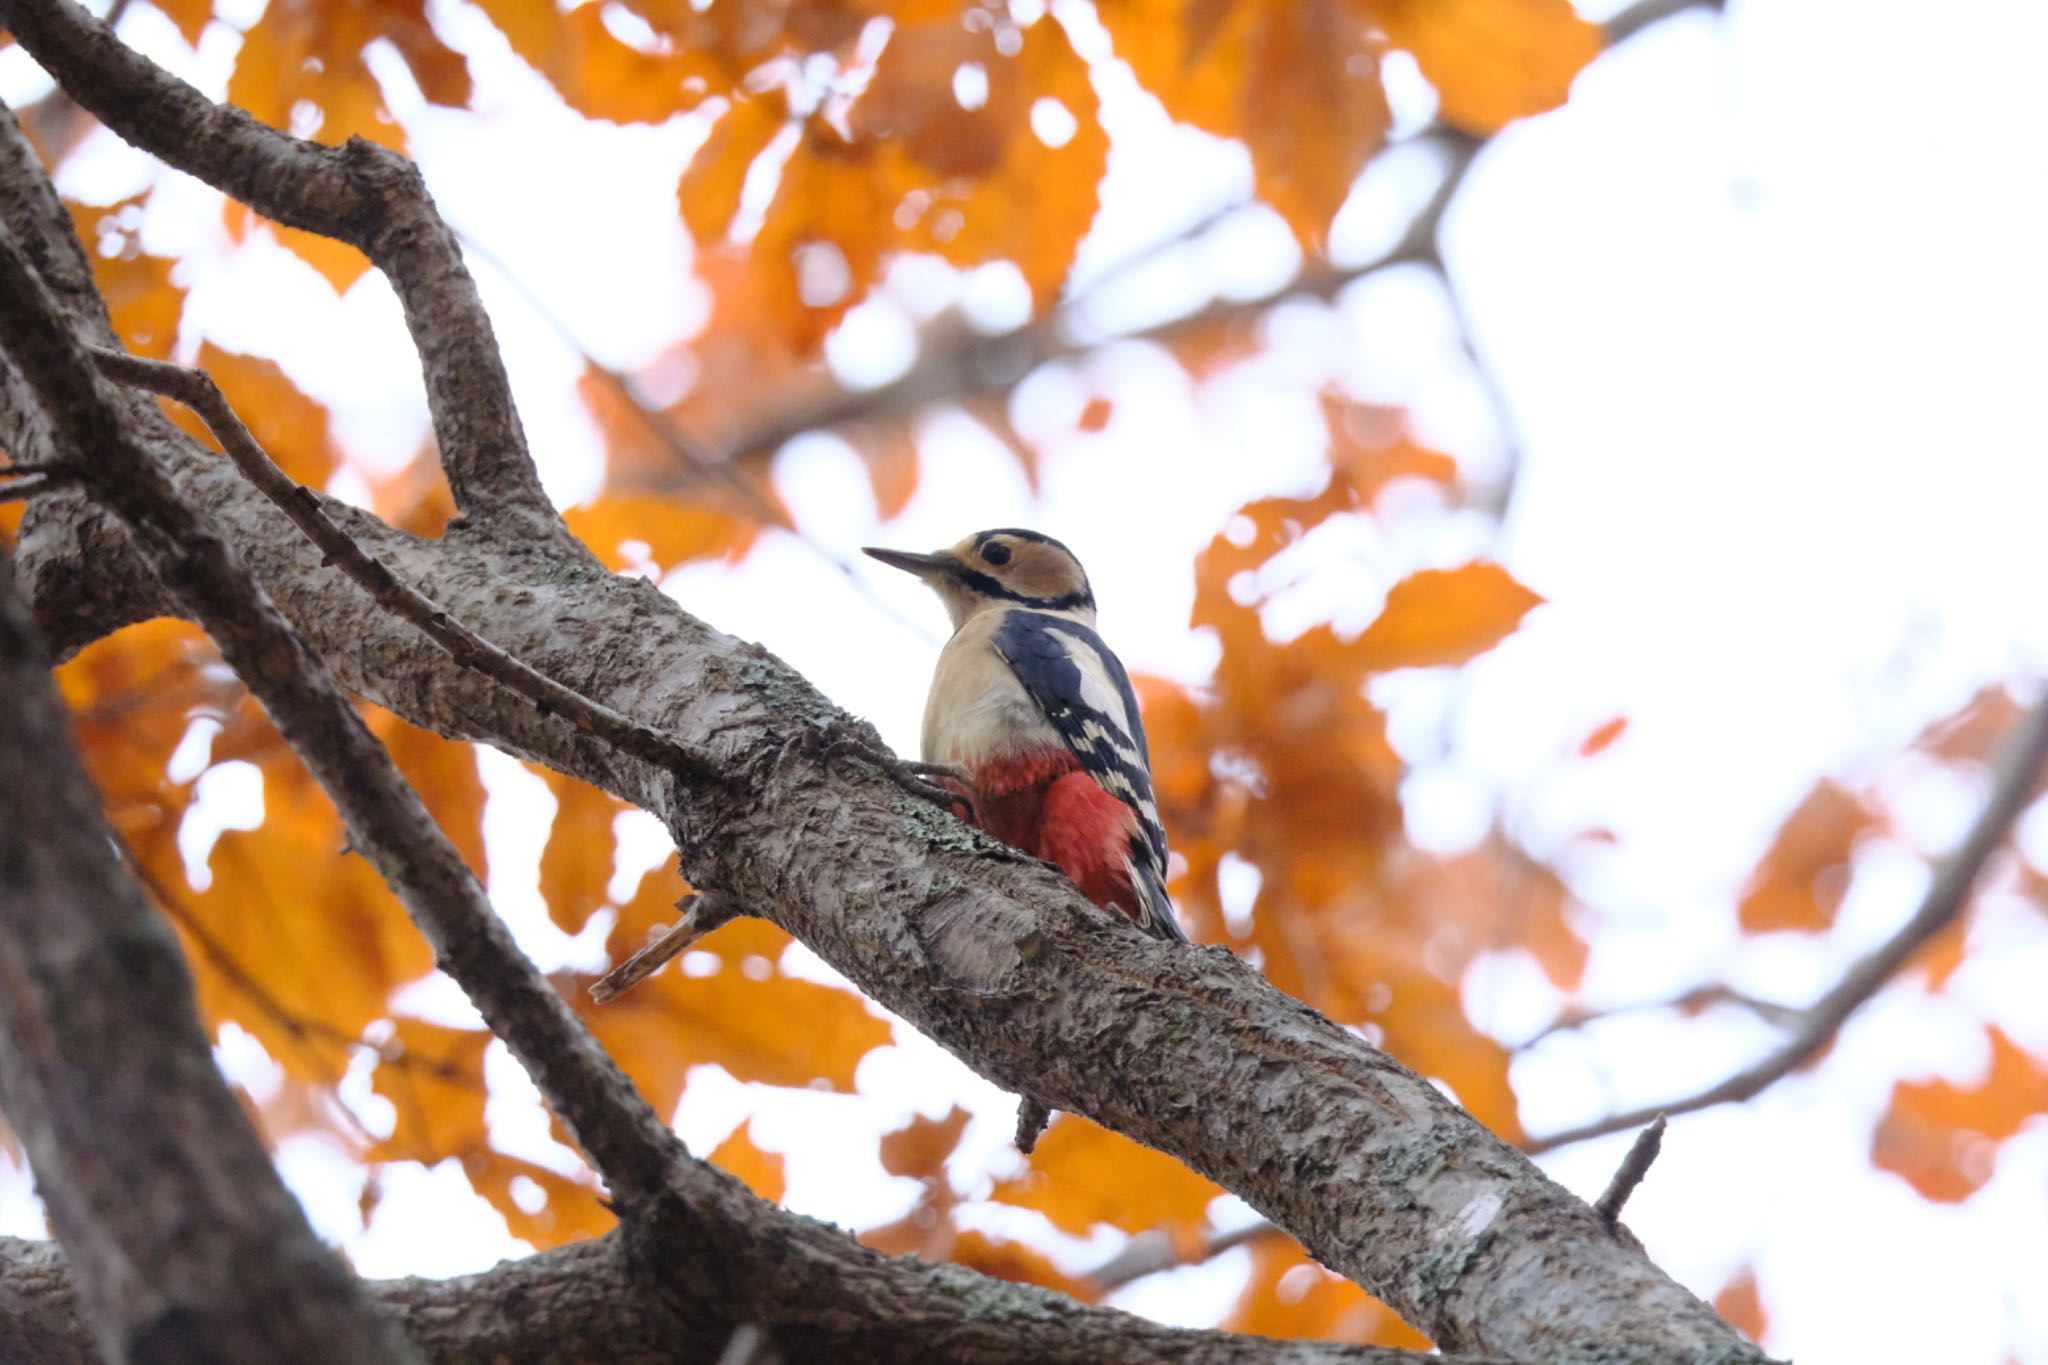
(995, 552)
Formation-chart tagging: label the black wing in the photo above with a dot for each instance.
(1083, 690)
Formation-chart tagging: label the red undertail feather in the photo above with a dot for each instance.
(1043, 803)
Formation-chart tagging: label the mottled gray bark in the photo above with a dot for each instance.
(187, 1243)
(587, 1303)
(993, 955)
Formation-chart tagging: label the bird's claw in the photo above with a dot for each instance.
(840, 740)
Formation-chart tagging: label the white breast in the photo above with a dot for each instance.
(977, 708)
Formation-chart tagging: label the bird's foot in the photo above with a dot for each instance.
(943, 784)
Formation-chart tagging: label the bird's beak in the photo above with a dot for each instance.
(924, 566)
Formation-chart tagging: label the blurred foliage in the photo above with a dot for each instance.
(971, 133)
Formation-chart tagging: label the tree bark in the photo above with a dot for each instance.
(996, 957)
(187, 1244)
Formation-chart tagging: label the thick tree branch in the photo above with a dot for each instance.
(591, 1294)
(360, 193)
(2013, 786)
(188, 1245)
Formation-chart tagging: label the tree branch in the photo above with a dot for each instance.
(188, 1245)
(587, 1300)
(365, 195)
(1641, 1153)
(2019, 772)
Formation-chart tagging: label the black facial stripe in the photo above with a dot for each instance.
(987, 586)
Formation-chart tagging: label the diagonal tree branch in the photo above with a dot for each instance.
(592, 1293)
(2014, 784)
(365, 195)
(188, 1245)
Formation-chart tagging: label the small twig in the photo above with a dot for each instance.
(1630, 1173)
(702, 912)
(196, 390)
(1151, 1252)
(2012, 788)
(1637, 17)
(1032, 1118)
(1686, 1002)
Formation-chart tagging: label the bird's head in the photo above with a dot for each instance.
(993, 569)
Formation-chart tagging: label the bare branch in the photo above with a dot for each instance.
(702, 912)
(1151, 1252)
(362, 194)
(197, 390)
(99, 1044)
(1630, 1173)
(1637, 17)
(2018, 774)
(1685, 1002)
(592, 1300)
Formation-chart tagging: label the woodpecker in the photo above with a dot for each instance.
(1031, 705)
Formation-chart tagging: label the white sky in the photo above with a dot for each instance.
(1766, 302)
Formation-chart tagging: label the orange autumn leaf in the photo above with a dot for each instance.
(673, 531)
(1973, 734)
(735, 1009)
(893, 464)
(444, 773)
(1492, 61)
(1602, 736)
(1289, 1295)
(306, 57)
(190, 16)
(1010, 174)
(144, 303)
(595, 72)
(1440, 617)
(1805, 873)
(295, 910)
(1740, 1303)
(920, 1147)
(576, 861)
(1939, 1135)
(433, 1076)
(1297, 83)
(1083, 1175)
(709, 192)
(302, 68)
(1371, 447)
(762, 1172)
(539, 1206)
(1003, 1259)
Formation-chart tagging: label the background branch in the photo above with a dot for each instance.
(359, 193)
(2017, 776)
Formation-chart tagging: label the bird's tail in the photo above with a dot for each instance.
(1155, 911)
